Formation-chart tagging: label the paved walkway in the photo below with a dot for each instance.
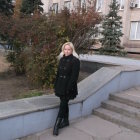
(110, 60)
(88, 128)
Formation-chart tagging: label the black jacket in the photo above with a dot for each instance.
(67, 76)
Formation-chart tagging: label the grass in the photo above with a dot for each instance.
(29, 94)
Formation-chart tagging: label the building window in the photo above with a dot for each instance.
(99, 5)
(121, 4)
(138, 3)
(135, 30)
(98, 29)
(67, 4)
(55, 7)
(82, 3)
(135, 3)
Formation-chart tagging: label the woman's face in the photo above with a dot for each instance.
(67, 50)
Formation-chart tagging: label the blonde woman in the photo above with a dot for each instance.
(65, 86)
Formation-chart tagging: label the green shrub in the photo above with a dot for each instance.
(16, 58)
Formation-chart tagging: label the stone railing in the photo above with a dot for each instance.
(19, 118)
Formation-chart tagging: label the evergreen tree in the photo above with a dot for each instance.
(112, 26)
(31, 6)
(6, 7)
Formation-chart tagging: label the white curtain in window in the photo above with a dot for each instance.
(138, 31)
(55, 7)
(99, 5)
(138, 2)
(122, 4)
(67, 4)
(83, 3)
(133, 30)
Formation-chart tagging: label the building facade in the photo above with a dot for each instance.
(57, 5)
(129, 11)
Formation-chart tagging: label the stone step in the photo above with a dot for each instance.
(122, 108)
(120, 119)
(129, 99)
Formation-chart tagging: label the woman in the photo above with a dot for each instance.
(65, 86)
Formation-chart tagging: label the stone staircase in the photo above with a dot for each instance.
(123, 109)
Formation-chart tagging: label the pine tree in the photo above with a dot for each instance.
(112, 26)
(31, 6)
(6, 7)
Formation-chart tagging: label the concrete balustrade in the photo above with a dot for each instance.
(19, 118)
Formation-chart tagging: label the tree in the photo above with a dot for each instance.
(31, 6)
(6, 7)
(112, 26)
(17, 7)
(79, 26)
(37, 40)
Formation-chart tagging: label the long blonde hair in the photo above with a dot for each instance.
(72, 47)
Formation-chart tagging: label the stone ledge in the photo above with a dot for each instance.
(112, 60)
(28, 105)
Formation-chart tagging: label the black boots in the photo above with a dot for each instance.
(64, 122)
(56, 126)
(60, 123)
(62, 117)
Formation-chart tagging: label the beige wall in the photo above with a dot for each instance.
(48, 3)
(127, 15)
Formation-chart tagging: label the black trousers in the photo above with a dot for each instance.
(63, 108)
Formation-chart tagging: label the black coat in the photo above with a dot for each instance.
(66, 78)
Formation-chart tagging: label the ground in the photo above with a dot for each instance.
(13, 86)
(4, 65)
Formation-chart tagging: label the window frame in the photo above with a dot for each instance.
(68, 1)
(122, 2)
(53, 7)
(82, 3)
(97, 5)
(136, 30)
(138, 4)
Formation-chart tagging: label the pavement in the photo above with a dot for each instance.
(88, 128)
